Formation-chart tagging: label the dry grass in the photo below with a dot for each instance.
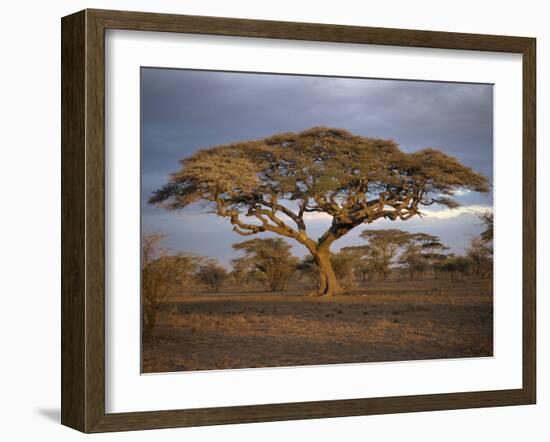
(394, 321)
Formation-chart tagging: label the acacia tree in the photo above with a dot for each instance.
(269, 185)
(269, 258)
(487, 219)
(242, 273)
(421, 252)
(382, 247)
(481, 248)
(480, 251)
(481, 254)
(363, 267)
(212, 274)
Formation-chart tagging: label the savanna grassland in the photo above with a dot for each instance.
(390, 321)
(268, 307)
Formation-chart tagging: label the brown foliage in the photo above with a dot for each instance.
(487, 219)
(481, 255)
(269, 260)
(161, 275)
(212, 275)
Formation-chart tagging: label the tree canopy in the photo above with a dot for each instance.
(269, 258)
(212, 274)
(383, 245)
(422, 251)
(268, 185)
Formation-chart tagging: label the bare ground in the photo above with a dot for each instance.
(394, 321)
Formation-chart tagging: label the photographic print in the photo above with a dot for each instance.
(295, 220)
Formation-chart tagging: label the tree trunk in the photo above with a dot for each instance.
(328, 283)
(149, 319)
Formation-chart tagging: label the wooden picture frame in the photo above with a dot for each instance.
(83, 220)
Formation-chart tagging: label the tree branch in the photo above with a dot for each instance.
(403, 208)
(274, 205)
(264, 216)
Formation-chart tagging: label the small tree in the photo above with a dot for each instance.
(270, 259)
(481, 248)
(487, 219)
(414, 261)
(481, 254)
(382, 247)
(161, 275)
(421, 252)
(212, 275)
(242, 272)
(364, 266)
(269, 185)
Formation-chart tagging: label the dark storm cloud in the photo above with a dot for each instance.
(186, 110)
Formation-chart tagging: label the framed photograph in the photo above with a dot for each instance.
(267, 221)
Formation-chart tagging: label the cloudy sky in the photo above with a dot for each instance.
(184, 110)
